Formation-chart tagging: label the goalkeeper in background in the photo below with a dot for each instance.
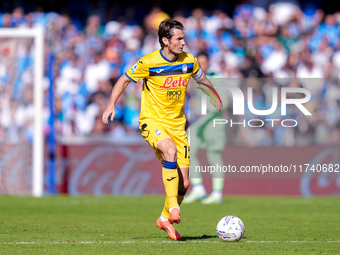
(213, 140)
(165, 74)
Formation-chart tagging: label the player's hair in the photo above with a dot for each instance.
(166, 29)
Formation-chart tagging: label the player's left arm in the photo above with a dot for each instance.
(206, 86)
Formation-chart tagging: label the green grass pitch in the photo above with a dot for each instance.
(126, 225)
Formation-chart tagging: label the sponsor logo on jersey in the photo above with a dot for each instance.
(173, 94)
(158, 132)
(170, 82)
(184, 68)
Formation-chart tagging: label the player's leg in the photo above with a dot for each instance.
(170, 175)
(153, 133)
(183, 159)
(172, 214)
(184, 182)
(169, 172)
(158, 137)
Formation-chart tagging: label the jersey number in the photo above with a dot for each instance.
(187, 151)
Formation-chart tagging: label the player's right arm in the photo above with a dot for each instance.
(137, 72)
(117, 90)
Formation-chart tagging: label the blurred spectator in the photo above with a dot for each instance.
(6, 20)
(96, 72)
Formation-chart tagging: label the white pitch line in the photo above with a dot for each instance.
(179, 242)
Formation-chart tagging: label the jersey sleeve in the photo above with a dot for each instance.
(197, 72)
(138, 71)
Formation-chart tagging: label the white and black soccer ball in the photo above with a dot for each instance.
(230, 228)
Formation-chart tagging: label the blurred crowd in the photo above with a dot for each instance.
(283, 44)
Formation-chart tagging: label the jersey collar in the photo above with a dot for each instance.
(161, 51)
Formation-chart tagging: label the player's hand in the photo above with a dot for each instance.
(218, 105)
(106, 115)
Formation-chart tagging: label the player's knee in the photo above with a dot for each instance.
(171, 154)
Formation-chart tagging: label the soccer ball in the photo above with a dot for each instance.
(230, 228)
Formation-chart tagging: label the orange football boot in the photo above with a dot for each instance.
(169, 229)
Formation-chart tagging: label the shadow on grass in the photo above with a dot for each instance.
(184, 238)
(188, 238)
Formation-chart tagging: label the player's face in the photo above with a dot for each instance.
(176, 43)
